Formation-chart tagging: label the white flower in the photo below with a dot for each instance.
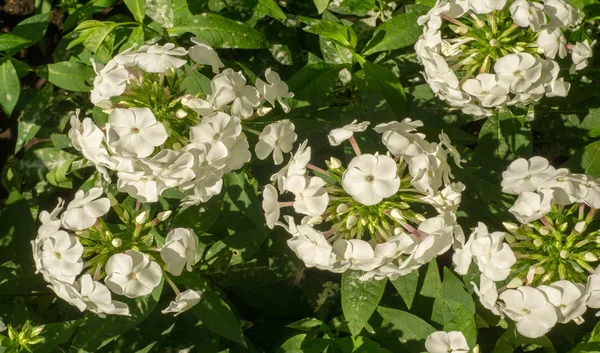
(446, 342)
(358, 253)
(110, 81)
(230, 86)
(277, 138)
(98, 299)
(369, 179)
(429, 170)
(400, 138)
(568, 298)
(491, 254)
(580, 55)
(436, 237)
(558, 88)
(485, 87)
(488, 294)
(84, 210)
(89, 139)
(552, 42)
(311, 247)
(60, 256)
(593, 290)
(531, 206)
(337, 136)
(270, 205)
(159, 58)
(566, 187)
(50, 221)
(486, 6)
(200, 106)
(592, 198)
(275, 89)
(179, 250)
(447, 199)
(518, 72)
(135, 131)
(530, 309)
(528, 14)
(184, 301)
(132, 274)
(525, 175)
(311, 197)
(171, 168)
(561, 13)
(204, 54)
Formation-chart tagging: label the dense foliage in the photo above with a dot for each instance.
(299, 176)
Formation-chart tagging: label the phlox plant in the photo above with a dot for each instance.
(279, 177)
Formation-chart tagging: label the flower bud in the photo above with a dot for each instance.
(514, 283)
(315, 220)
(538, 242)
(397, 215)
(544, 231)
(580, 227)
(539, 270)
(509, 238)
(563, 227)
(263, 111)
(564, 254)
(351, 221)
(334, 163)
(142, 218)
(342, 208)
(511, 227)
(162, 216)
(116, 242)
(180, 114)
(590, 257)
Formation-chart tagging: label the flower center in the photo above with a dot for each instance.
(58, 255)
(370, 178)
(135, 130)
(132, 276)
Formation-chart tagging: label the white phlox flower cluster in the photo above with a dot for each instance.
(446, 342)
(481, 54)
(544, 270)
(157, 138)
(86, 262)
(365, 216)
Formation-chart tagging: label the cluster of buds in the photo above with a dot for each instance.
(159, 135)
(481, 54)
(22, 340)
(547, 264)
(371, 215)
(76, 250)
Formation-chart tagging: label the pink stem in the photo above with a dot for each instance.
(286, 204)
(591, 214)
(316, 169)
(413, 230)
(354, 144)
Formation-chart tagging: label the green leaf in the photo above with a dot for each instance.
(220, 32)
(161, 11)
(32, 117)
(313, 85)
(68, 75)
(135, 39)
(587, 160)
(10, 87)
(407, 287)
(321, 5)
(96, 332)
(56, 334)
(241, 201)
(22, 67)
(293, 344)
(432, 281)
(9, 41)
(384, 82)
(399, 32)
(214, 313)
(32, 28)
(269, 8)
(306, 324)
(334, 31)
(409, 330)
(200, 218)
(352, 7)
(137, 9)
(359, 299)
(101, 37)
(511, 340)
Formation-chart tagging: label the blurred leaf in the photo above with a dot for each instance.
(587, 160)
(32, 28)
(334, 31)
(56, 334)
(511, 340)
(135, 39)
(360, 299)
(321, 5)
(220, 32)
(293, 344)
(201, 217)
(96, 332)
(9, 41)
(313, 85)
(161, 11)
(384, 82)
(407, 287)
(432, 281)
(410, 330)
(268, 8)
(306, 324)
(137, 9)
(10, 87)
(67, 75)
(399, 32)
(22, 67)
(352, 7)
(32, 117)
